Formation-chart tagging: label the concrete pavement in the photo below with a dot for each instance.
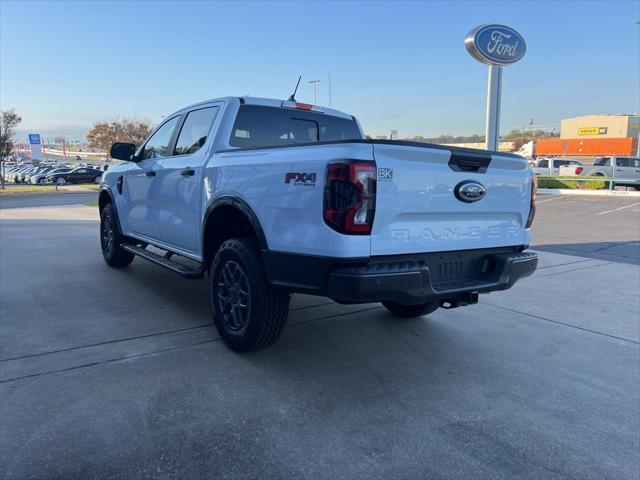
(120, 374)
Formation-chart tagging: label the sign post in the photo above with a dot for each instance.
(36, 147)
(496, 46)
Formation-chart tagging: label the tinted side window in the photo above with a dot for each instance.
(635, 162)
(623, 162)
(601, 162)
(543, 163)
(259, 126)
(158, 144)
(194, 131)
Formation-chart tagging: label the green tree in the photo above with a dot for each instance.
(9, 120)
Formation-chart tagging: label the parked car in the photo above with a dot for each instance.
(21, 174)
(26, 177)
(624, 170)
(551, 166)
(40, 178)
(272, 198)
(76, 175)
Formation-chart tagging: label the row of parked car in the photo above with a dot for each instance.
(622, 170)
(49, 174)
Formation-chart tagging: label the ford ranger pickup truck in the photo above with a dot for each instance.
(267, 198)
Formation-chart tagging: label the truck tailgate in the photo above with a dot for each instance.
(417, 210)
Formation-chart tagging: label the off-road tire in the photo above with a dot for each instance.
(111, 238)
(411, 311)
(265, 316)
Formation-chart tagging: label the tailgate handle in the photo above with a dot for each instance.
(469, 162)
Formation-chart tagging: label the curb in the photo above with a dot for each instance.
(589, 193)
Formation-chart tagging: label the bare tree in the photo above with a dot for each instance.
(104, 134)
(9, 120)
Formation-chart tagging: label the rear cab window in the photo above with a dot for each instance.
(195, 130)
(602, 162)
(263, 126)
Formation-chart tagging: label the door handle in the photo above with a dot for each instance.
(188, 172)
(150, 173)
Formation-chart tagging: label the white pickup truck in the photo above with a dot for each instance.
(551, 166)
(623, 170)
(271, 197)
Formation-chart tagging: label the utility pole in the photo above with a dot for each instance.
(314, 83)
(638, 139)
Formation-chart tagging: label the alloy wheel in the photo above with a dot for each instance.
(233, 296)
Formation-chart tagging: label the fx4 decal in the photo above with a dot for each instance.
(306, 179)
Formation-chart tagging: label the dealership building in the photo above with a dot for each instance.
(601, 126)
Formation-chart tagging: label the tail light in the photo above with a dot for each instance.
(534, 192)
(579, 170)
(350, 197)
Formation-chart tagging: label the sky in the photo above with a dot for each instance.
(394, 65)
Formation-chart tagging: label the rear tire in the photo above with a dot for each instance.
(411, 311)
(249, 314)
(61, 181)
(111, 239)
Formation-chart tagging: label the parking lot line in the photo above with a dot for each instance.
(557, 322)
(552, 199)
(620, 208)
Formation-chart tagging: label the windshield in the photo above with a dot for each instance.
(259, 126)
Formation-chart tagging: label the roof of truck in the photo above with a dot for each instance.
(267, 102)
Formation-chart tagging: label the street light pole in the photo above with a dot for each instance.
(314, 83)
(638, 139)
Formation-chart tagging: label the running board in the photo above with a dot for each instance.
(179, 268)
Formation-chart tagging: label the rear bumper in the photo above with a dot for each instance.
(453, 278)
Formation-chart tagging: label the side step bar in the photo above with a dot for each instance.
(179, 268)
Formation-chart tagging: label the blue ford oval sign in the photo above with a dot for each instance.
(469, 191)
(495, 44)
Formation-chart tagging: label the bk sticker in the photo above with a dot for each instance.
(385, 174)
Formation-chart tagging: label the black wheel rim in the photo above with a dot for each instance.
(107, 235)
(233, 295)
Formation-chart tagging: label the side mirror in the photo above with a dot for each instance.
(123, 151)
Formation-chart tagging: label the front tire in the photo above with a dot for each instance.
(411, 311)
(249, 314)
(111, 238)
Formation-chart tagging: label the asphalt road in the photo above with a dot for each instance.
(119, 374)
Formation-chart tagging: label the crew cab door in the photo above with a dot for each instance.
(178, 196)
(635, 164)
(77, 175)
(624, 169)
(139, 188)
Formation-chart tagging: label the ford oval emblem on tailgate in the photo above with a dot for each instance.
(469, 191)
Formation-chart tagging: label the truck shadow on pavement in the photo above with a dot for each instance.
(619, 252)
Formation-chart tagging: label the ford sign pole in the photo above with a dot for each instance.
(494, 92)
(496, 46)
